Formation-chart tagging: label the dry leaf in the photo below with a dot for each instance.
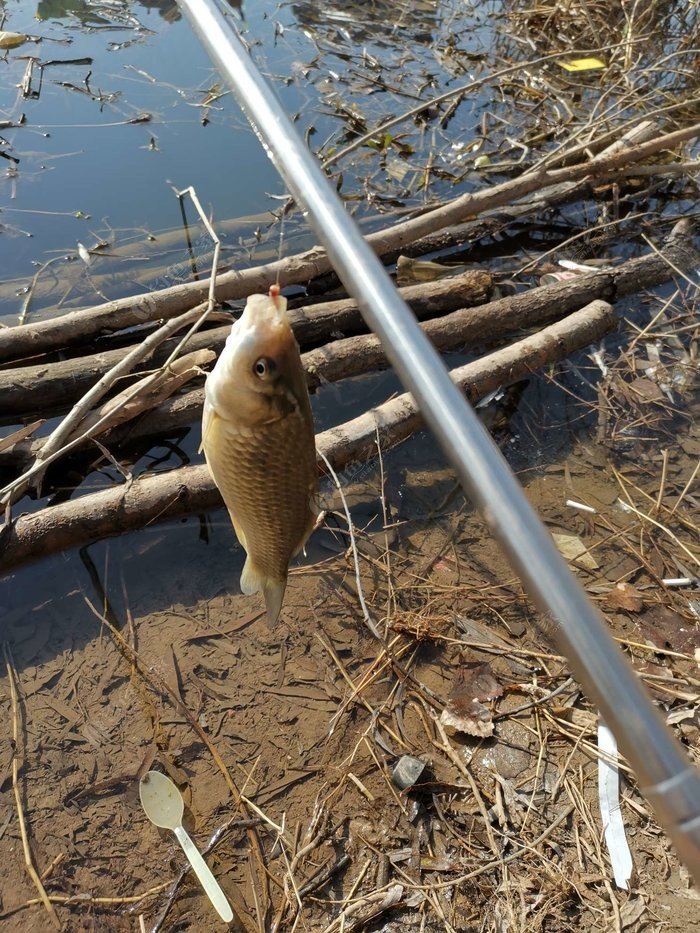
(647, 390)
(574, 550)
(631, 913)
(582, 64)
(625, 596)
(465, 710)
(582, 718)
(11, 40)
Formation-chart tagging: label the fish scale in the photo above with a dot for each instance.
(258, 438)
(270, 477)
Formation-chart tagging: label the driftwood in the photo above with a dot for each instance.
(25, 390)
(355, 355)
(49, 386)
(190, 490)
(88, 323)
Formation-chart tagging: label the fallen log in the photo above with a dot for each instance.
(190, 490)
(353, 356)
(495, 220)
(88, 323)
(24, 390)
(49, 386)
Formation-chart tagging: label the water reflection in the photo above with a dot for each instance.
(168, 9)
(370, 22)
(96, 13)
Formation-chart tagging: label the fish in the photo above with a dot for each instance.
(258, 441)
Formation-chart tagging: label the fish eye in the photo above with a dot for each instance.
(264, 367)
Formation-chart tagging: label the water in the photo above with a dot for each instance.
(85, 173)
(101, 145)
(88, 175)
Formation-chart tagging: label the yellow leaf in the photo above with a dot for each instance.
(583, 64)
(10, 40)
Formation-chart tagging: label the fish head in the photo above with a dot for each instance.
(259, 373)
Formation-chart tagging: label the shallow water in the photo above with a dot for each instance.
(86, 174)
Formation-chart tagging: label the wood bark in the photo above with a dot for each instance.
(355, 355)
(190, 490)
(50, 386)
(25, 390)
(88, 323)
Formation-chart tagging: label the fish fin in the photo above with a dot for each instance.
(311, 525)
(305, 537)
(208, 418)
(252, 581)
(273, 591)
(241, 537)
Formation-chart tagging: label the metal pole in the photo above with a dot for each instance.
(666, 776)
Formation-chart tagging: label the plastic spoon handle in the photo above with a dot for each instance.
(206, 879)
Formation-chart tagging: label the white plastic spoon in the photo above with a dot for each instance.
(164, 806)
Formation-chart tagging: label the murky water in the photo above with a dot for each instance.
(127, 107)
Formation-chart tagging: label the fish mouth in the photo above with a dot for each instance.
(265, 311)
(262, 329)
(264, 323)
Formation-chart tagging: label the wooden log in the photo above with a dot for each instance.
(51, 386)
(88, 323)
(492, 221)
(25, 391)
(352, 356)
(190, 490)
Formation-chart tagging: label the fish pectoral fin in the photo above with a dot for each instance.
(311, 526)
(208, 418)
(253, 581)
(241, 537)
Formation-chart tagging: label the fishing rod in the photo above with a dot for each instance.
(666, 776)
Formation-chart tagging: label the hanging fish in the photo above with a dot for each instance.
(258, 439)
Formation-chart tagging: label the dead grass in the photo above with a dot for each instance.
(502, 830)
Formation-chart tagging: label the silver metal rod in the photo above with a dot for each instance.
(666, 776)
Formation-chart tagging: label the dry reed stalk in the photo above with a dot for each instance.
(16, 740)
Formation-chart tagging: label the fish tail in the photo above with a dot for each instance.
(273, 591)
(253, 581)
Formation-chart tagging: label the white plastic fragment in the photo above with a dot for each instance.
(580, 505)
(574, 266)
(84, 254)
(597, 358)
(494, 396)
(678, 581)
(611, 814)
